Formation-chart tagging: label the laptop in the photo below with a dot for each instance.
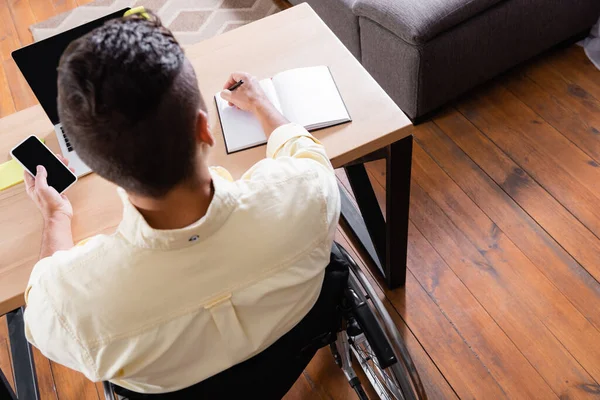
(38, 63)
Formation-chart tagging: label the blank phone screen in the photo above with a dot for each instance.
(32, 153)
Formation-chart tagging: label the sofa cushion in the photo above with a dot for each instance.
(418, 21)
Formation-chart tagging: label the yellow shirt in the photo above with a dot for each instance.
(160, 310)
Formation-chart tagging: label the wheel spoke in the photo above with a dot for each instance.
(399, 380)
(384, 384)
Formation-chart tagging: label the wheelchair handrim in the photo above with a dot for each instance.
(405, 365)
(383, 382)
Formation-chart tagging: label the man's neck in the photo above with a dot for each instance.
(182, 206)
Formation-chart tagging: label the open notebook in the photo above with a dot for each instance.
(307, 96)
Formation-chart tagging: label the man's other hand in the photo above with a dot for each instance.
(46, 198)
(249, 96)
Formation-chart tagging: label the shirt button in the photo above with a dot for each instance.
(193, 238)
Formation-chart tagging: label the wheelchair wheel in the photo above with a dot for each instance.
(384, 381)
(109, 393)
(376, 343)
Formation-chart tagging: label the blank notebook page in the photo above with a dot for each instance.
(243, 130)
(309, 97)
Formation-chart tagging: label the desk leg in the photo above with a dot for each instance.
(385, 241)
(22, 358)
(398, 171)
(6, 391)
(356, 223)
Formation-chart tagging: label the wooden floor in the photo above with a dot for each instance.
(502, 297)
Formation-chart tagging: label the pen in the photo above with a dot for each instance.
(235, 85)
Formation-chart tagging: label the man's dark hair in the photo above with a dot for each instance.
(128, 101)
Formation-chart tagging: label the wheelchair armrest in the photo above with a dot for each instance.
(375, 335)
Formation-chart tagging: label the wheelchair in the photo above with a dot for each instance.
(368, 336)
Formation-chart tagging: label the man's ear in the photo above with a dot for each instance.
(203, 133)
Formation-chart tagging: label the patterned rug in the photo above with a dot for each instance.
(190, 20)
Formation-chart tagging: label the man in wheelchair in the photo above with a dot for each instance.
(204, 272)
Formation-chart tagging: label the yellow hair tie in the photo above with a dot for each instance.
(137, 10)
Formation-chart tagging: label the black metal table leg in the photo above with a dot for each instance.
(398, 171)
(6, 391)
(22, 357)
(368, 206)
(357, 225)
(385, 240)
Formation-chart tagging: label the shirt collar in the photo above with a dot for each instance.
(136, 230)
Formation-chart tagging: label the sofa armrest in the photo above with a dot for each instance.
(418, 21)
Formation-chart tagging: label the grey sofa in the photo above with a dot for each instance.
(426, 52)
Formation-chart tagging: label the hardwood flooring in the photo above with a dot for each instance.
(502, 298)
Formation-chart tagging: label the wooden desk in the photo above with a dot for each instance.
(293, 38)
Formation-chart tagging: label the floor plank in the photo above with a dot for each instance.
(494, 268)
(22, 94)
(9, 39)
(497, 114)
(509, 367)
(545, 210)
(302, 389)
(550, 258)
(567, 107)
(520, 124)
(99, 390)
(72, 385)
(576, 67)
(3, 328)
(327, 379)
(42, 10)
(22, 17)
(5, 355)
(7, 106)
(478, 328)
(5, 362)
(494, 291)
(45, 377)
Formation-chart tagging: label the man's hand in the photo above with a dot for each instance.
(46, 198)
(251, 97)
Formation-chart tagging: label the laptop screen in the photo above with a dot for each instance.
(38, 62)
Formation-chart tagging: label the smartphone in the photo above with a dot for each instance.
(31, 152)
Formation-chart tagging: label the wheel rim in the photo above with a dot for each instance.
(412, 378)
(384, 383)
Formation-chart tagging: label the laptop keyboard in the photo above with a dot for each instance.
(69, 147)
